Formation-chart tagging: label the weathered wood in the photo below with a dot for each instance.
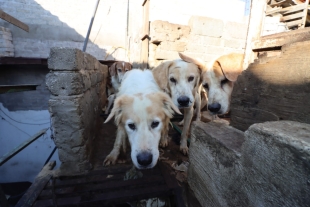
(13, 20)
(292, 16)
(274, 88)
(277, 40)
(295, 23)
(146, 29)
(38, 185)
(292, 9)
(19, 148)
(273, 10)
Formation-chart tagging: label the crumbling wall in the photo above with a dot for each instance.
(268, 165)
(77, 82)
(203, 37)
(6, 44)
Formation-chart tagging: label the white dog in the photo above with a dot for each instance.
(142, 113)
(181, 80)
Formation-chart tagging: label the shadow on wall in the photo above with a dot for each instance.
(273, 88)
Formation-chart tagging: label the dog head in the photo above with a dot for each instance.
(180, 79)
(143, 117)
(119, 69)
(218, 80)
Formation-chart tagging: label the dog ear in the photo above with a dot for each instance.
(231, 65)
(196, 61)
(112, 69)
(169, 106)
(161, 73)
(116, 111)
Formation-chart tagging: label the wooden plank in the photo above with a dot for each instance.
(291, 17)
(279, 39)
(294, 23)
(273, 10)
(19, 148)
(305, 13)
(13, 21)
(145, 43)
(38, 185)
(291, 9)
(279, 3)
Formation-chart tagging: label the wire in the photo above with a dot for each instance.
(22, 122)
(15, 126)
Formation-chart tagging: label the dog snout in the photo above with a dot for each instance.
(183, 101)
(145, 158)
(215, 107)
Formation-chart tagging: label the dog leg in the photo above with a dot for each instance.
(119, 141)
(188, 115)
(164, 137)
(198, 106)
(111, 99)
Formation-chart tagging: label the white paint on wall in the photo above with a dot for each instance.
(15, 128)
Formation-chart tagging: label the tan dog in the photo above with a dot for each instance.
(117, 72)
(142, 112)
(218, 78)
(181, 80)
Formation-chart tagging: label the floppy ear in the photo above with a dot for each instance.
(112, 69)
(196, 61)
(161, 73)
(231, 65)
(116, 111)
(169, 106)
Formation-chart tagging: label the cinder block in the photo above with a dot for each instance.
(235, 30)
(67, 83)
(206, 26)
(235, 43)
(166, 55)
(174, 46)
(66, 59)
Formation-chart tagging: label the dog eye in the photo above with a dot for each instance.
(190, 79)
(119, 70)
(224, 81)
(206, 86)
(154, 124)
(132, 126)
(173, 80)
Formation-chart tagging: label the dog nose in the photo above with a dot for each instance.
(215, 107)
(144, 158)
(183, 100)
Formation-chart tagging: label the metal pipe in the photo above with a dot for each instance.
(90, 26)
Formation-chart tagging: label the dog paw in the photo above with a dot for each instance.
(163, 143)
(181, 123)
(184, 149)
(110, 159)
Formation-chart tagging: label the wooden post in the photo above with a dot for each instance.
(13, 20)
(145, 36)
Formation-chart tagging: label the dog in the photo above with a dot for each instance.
(142, 113)
(116, 72)
(181, 80)
(218, 78)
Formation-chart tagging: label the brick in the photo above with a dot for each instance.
(206, 26)
(65, 59)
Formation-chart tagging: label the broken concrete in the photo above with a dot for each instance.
(77, 82)
(268, 165)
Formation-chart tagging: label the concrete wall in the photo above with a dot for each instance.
(268, 165)
(77, 82)
(205, 38)
(6, 45)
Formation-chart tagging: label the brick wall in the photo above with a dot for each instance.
(204, 38)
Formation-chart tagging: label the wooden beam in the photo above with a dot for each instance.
(11, 154)
(145, 42)
(13, 20)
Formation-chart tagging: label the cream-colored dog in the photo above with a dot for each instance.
(181, 80)
(218, 78)
(142, 113)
